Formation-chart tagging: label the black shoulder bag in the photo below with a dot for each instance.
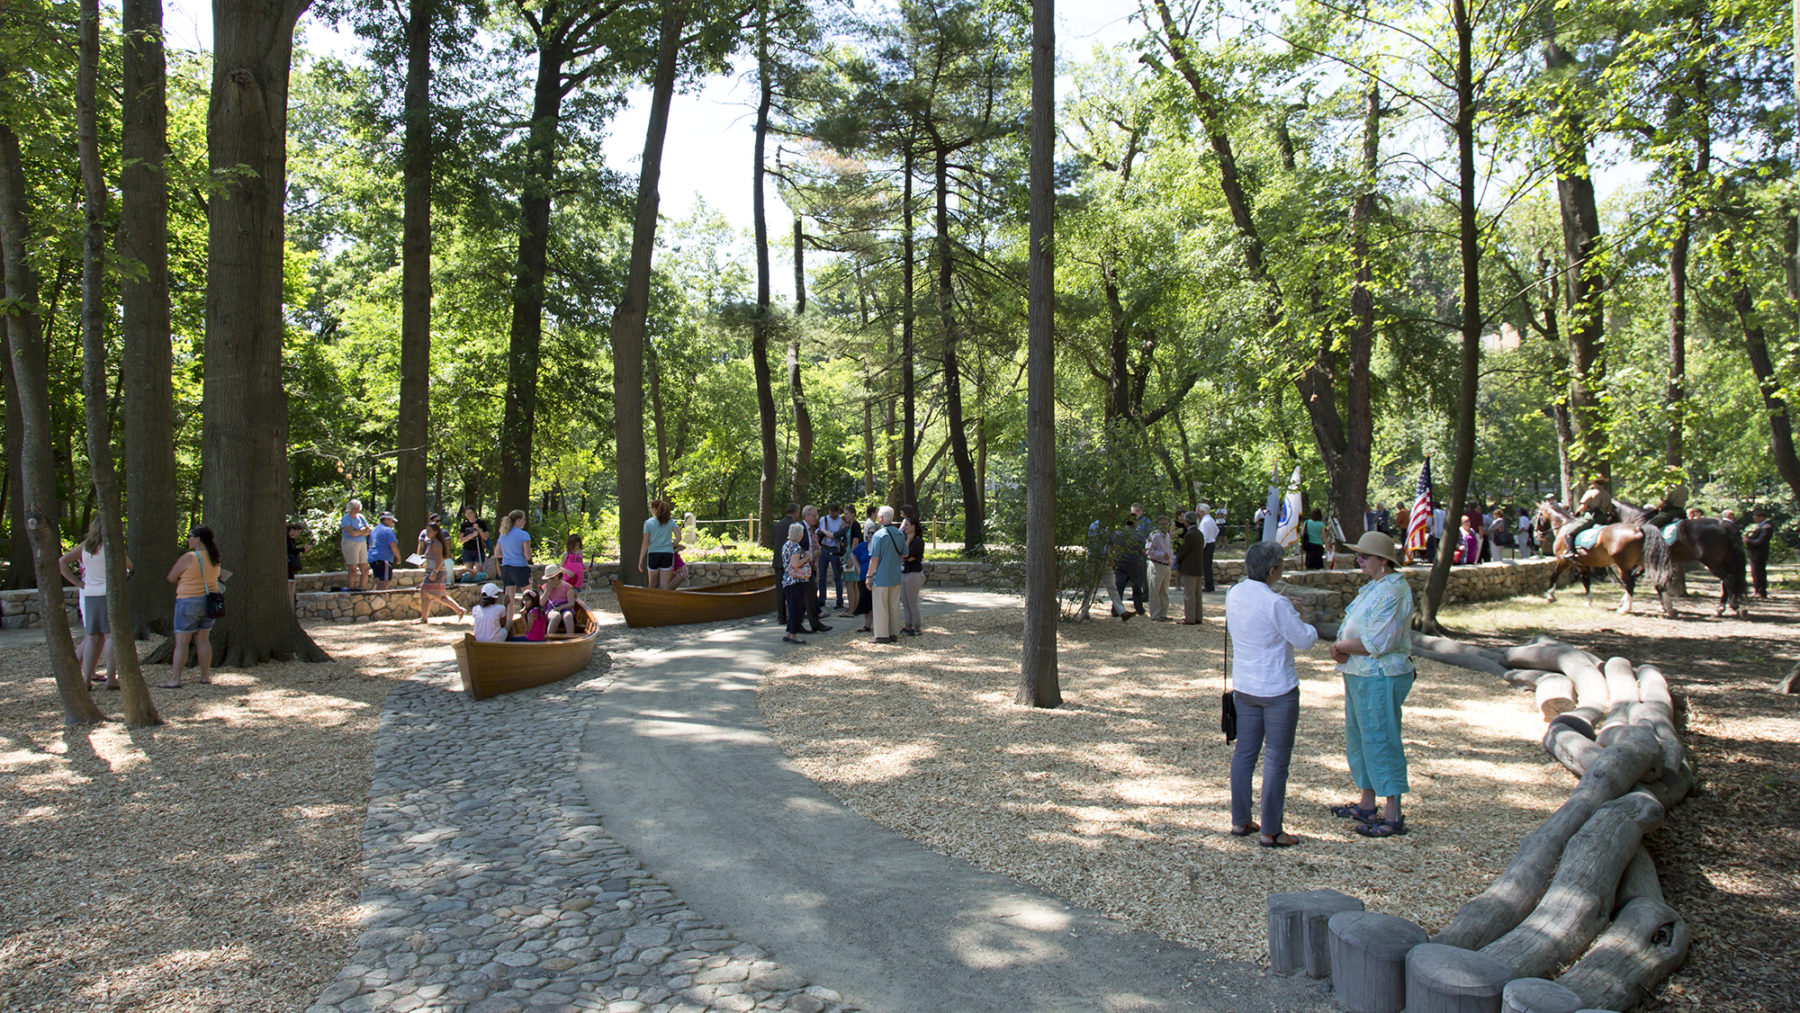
(215, 600)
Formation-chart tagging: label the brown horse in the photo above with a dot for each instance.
(1717, 545)
(1628, 549)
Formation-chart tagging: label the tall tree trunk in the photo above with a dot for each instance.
(803, 428)
(30, 371)
(628, 319)
(526, 336)
(1688, 179)
(1756, 346)
(1584, 284)
(1039, 685)
(1352, 485)
(413, 425)
(139, 709)
(146, 364)
(759, 337)
(803, 425)
(974, 508)
(1469, 230)
(18, 568)
(656, 423)
(243, 439)
(909, 427)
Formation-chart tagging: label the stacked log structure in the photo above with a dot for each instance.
(1577, 921)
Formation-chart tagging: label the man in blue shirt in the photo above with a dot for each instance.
(885, 552)
(384, 545)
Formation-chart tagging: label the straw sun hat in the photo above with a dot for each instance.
(1374, 543)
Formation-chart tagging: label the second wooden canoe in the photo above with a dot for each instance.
(654, 606)
(489, 669)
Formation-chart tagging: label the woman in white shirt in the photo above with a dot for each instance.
(91, 554)
(1265, 630)
(489, 615)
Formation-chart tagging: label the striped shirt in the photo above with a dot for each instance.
(1380, 617)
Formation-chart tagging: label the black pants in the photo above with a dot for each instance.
(1206, 557)
(781, 600)
(1315, 556)
(1759, 572)
(1131, 573)
(793, 599)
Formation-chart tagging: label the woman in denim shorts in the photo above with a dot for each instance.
(194, 574)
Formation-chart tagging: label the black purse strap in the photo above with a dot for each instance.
(1225, 670)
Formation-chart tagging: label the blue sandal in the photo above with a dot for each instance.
(1354, 812)
(1382, 828)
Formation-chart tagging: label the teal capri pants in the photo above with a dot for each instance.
(1372, 743)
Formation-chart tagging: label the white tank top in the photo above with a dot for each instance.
(93, 572)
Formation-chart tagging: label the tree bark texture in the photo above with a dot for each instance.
(1575, 907)
(19, 565)
(140, 711)
(803, 429)
(1646, 943)
(628, 319)
(909, 430)
(146, 363)
(1584, 284)
(413, 423)
(1039, 685)
(243, 439)
(526, 336)
(974, 505)
(759, 336)
(1469, 229)
(30, 371)
(1756, 346)
(1515, 892)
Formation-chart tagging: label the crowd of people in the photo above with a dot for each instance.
(884, 559)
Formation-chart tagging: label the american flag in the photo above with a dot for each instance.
(1419, 524)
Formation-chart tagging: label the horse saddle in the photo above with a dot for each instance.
(1585, 538)
(1669, 530)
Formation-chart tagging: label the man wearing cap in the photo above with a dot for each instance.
(1209, 534)
(384, 545)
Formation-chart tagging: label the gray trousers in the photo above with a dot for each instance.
(1263, 721)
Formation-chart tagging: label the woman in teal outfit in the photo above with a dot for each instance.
(1374, 651)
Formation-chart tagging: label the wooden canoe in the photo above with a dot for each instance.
(489, 669)
(647, 606)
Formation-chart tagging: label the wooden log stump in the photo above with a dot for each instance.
(1453, 652)
(1644, 945)
(1656, 708)
(1449, 979)
(1526, 678)
(1299, 939)
(1513, 894)
(1570, 742)
(1555, 694)
(1536, 995)
(1621, 694)
(1639, 880)
(1575, 907)
(1368, 960)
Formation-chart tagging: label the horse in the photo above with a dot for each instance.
(1717, 545)
(1628, 549)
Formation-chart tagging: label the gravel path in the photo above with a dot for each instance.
(492, 888)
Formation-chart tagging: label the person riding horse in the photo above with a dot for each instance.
(1673, 508)
(1596, 510)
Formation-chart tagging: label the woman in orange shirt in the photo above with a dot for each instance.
(194, 574)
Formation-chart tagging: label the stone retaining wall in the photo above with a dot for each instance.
(1326, 592)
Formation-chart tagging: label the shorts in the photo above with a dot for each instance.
(382, 569)
(471, 555)
(93, 614)
(190, 615)
(356, 551)
(660, 560)
(515, 576)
